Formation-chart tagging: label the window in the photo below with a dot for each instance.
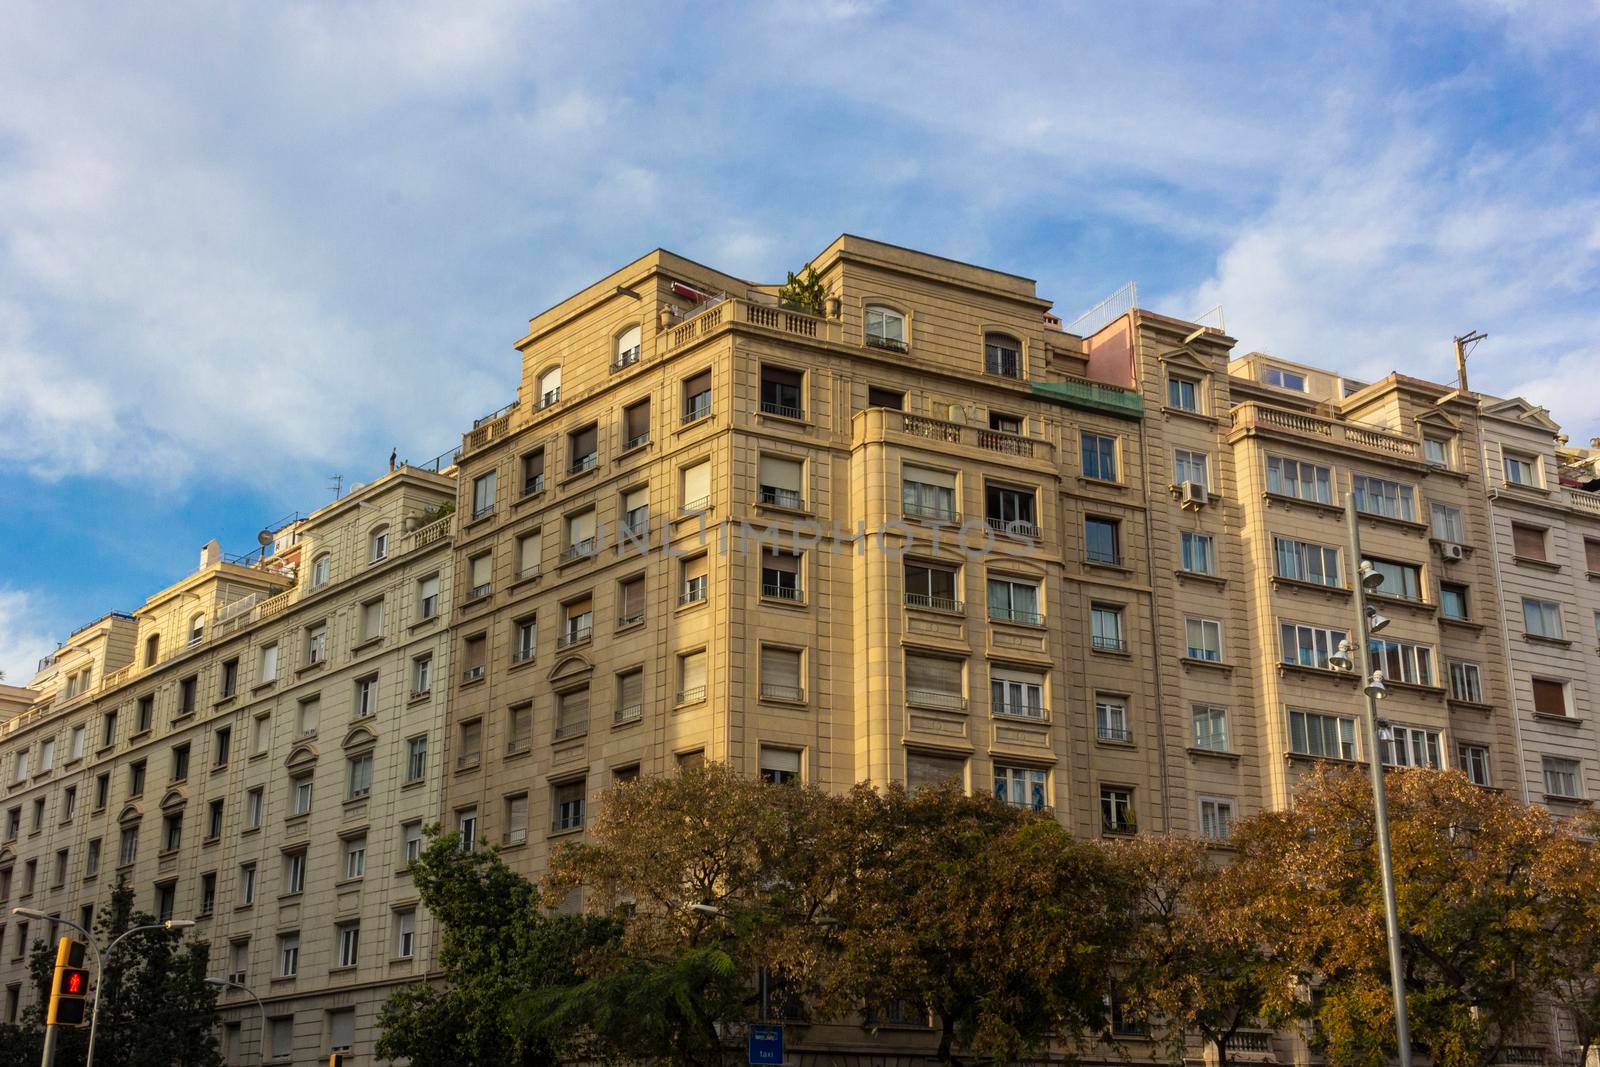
(1210, 728)
(152, 646)
(927, 768)
(1466, 682)
(627, 348)
(320, 568)
(1018, 694)
(294, 871)
(696, 488)
(935, 681)
(1447, 523)
(1284, 379)
(572, 713)
(76, 743)
(247, 883)
(1116, 810)
(884, 328)
(1309, 646)
(1002, 355)
(411, 841)
(1004, 423)
(691, 677)
(483, 494)
(1402, 580)
(359, 776)
(780, 766)
(693, 577)
(421, 675)
(636, 424)
(128, 846)
(261, 735)
(928, 494)
(1105, 629)
(697, 396)
(38, 814)
(229, 684)
(288, 955)
(1204, 638)
(635, 509)
(1527, 542)
(301, 792)
(1591, 556)
(355, 857)
(102, 790)
(378, 545)
(1010, 511)
(405, 933)
(781, 482)
(1326, 736)
(214, 811)
(187, 690)
(47, 755)
(146, 714)
(13, 823)
(1102, 541)
(528, 549)
(59, 876)
(238, 959)
(782, 392)
(91, 862)
(1199, 553)
(1183, 393)
(372, 620)
(1190, 466)
(1303, 561)
(583, 450)
(1522, 470)
(630, 697)
(255, 802)
(136, 779)
(532, 466)
(1099, 456)
(342, 1021)
(208, 893)
(566, 801)
(475, 651)
(885, 398)
(1014, 600)
(317, 643)
(1379, 496)
(1561, 777)
(1403, 661)
(1549, 697)
(1541, 618)
(931, 586)
(1021, 787)
(108, 729)
(577, 621)
(416, 758)
(1216, 818)
(1453, 600)
(516, 819)
(782, 674)
(1409, 746)
(480, 574)
(69, 803)
(549, 387)
(780, 575)
(166, 901)
(469, 743)
(1111, 719)
(267, 664)
(428, 597)
(1474, 762)
(282, 1038)
(309, 716)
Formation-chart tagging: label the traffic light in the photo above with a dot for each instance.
(336, 1059)
(69, 992)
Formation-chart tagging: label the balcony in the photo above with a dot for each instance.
(769, 407)
(692, 696)
(697, 507)
(716, 314)
(584, 549)
(1017, 709)
(1104, 643)
(780, 592)
(1108, 732)
(625, 360)
(930, 511)
(790, 693)
(636, 441)
(1092, 396)
(584, 463)
(888, 344)
(932, 429)
(772, 496)
(522, 655)
(533, 485)
(1023, 528)
(934, 603)
(570, 729)
(472, 674)
(1026, 618)
(1255, 418)
(627, 713)
(1010, 444)
(935, 698)
(487, 430)
(575, 635)
(478, 592)
(630, 619)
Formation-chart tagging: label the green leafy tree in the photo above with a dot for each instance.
(496, 945)
(804, 291)
(1472, 911)
(991, 918)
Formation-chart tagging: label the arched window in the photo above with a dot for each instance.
(197, 629)
(1002, 355)
(885, 328)
(627, 348)
(379, 544)
(549, 387)
(320, 568)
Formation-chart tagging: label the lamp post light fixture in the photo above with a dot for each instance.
(1371, 580)
(228, 983)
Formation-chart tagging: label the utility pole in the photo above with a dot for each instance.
(1462, 351)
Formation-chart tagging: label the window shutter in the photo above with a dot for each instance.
(481, 570)
(780, 667)
(924, 769)
(637, 419)
(574, 710)
(585, 441)
(696, 482)
(787, 562)
(784, 760)
(700, 383)
(942, 479)
(1549, 698)
(694, 568)
(781, 473)
(528, 553)
(694, 671)
(628, 340)
(635, 499)
(934, 674)
(632, 689)
(344, 1029)
(1591, 554)
(632, 597)
(580, 527)
(1527, 542)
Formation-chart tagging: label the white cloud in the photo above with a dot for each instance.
(21, 645)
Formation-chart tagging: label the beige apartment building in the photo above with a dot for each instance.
(255, 749)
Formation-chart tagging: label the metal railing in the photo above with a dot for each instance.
(697, 409)
(472, 674)
(1117, 304)
(625, 359)
(629, 620)
(1107, 732)
(888, 344)
(1102, 643)
(533, 485)
(575, 635)
(692, 696)
(1027, 618)
(936, 698)
(694, 591)
(636, 440)
(780, 592)
(584, 463)
(571, 729)
(522, 655)
(628, 713)
(579, 550)
(929, 511)
(1014, 528)
(702, 504)
(782, 498)
(773, 691)
(1017, 709)
(478, 592)
(770, 407)
(937, 603)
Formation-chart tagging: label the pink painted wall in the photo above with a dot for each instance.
(1110, 353)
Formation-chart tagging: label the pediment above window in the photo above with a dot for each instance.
(174, 798)
(301, 756)
(569, 668)
(358, 737)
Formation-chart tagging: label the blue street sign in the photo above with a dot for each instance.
(766, 1043)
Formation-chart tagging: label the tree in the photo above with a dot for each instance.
(1198, 961)
(715, 880)
(1569, 964)
(496, 945)
(991, 918)
(1471, 909)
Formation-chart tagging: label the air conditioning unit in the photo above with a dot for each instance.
(1193, 495)
(1451, 552)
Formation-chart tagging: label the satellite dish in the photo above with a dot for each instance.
(265, 538)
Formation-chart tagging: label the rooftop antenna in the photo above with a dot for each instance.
(1464, 346)
(336, 483)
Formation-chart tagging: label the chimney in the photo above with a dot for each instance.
(210, 553)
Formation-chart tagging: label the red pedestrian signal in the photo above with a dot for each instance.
(70, 989)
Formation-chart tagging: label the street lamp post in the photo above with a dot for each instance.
(101, 957)
(1372, 690)
(34, 913)
(228, 983)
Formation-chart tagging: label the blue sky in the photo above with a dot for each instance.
(244, 247)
